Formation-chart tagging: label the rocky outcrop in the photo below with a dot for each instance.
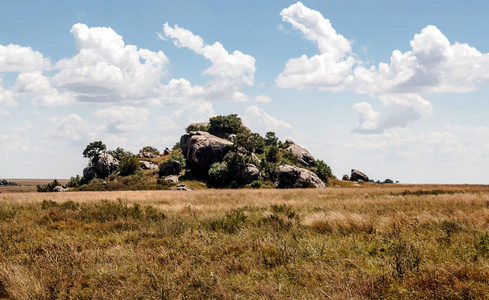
(203, 149)
(180, 187)
(303, 156)
(59, 189)
(357, 175)
(147, 165)
(166, 151)
(8, 183)
(170, 168)
(248, 174)
(102, 166)
(289, 175)
(171, 179)
(345, 178)
(146, 155)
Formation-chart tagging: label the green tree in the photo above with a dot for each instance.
(177, 146)
(94, 149)
(230, 124)
(272, 154)
(271, 139)
(128, 164)
(249, 143)
(150, 149)
(323, 171)
(118, 153)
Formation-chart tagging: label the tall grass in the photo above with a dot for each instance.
(344, 243)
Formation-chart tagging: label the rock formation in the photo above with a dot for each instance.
(203, 149)
(147, 165)
(357, 175)
(288, 175)
(303, 156)
(249, 174)
(170, 168)
(345, 178)
(102, 166)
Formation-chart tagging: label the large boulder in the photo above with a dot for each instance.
(303, 156)
(170, 168)
(89, 172)
(288, 175)
(171, 179)
(248, 174)
(147, 165)
(146, 155)
(203, 149)
(104, 164)
(357, 175)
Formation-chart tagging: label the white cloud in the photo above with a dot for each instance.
(39, 87)
(263, 99)
(105, 69)
(73, 128)
(15, 58)
(6, 100)
(185, 115)
(259, 121)
(400, 110)
(231, 72)
(434, 65)
(327, 70)
(124, 118)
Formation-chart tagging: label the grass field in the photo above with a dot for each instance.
(368, 242)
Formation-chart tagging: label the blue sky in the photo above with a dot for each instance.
(397, 89)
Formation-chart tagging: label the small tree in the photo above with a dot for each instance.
(323, 171)
(271, 139)
(94, 149)
(129, 164)
(249, 143)
(150, 149)
(176, 146)
(118, 153)
(226, 124)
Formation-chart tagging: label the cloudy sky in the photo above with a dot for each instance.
(396, 89)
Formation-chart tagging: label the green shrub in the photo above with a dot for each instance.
(256, 184)
(150, 149)
(230, 124)
(128, 164)
(323, 171)
(48, 187)
(303, 184)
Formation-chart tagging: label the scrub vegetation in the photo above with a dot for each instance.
(368, 242)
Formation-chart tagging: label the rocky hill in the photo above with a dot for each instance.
(221, 153)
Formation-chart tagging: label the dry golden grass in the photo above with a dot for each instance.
(368, 242)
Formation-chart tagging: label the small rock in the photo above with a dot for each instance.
(346, 178)
(166, 151)
(170, 168)
(147, 165)
(171, 179)
(357, 175)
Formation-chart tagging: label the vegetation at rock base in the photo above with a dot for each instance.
(369, 242)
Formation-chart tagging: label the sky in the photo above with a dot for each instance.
(396, 89)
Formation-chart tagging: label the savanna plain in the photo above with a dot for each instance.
(366, 242)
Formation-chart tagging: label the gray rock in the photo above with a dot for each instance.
(288, 176)
(104, 164)
(147, 165)
(166, 151)
(357, 175)
(180, 187)
(146, 155)
(170, 168)
(59, 188)
(203, 149)
(171, 179)
(345, 178)
(248, 174)
(303, 156)
(89, 172)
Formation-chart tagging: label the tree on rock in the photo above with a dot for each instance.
(226, 125)
(94, 149)
(150, 149)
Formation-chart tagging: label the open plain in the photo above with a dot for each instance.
(367, 242)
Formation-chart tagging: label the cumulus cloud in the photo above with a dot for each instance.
(73, 128)
(105, 69)
(400, 110)
(124, 118)
(6, 100)
(327, 70)
(39, 87)
(185, 115)
(15, 58)
(259, 121)
(433, 65)
(231, 72)
(263, 99)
